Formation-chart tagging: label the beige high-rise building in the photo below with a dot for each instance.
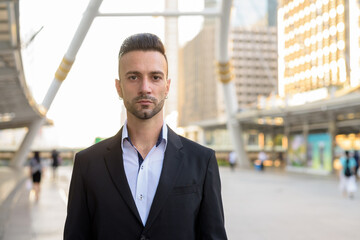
(198, 88)
(201, 100)
(318, 47)
(254, 59)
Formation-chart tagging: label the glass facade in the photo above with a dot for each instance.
(313, 46)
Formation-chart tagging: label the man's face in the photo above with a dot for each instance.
(143, 83)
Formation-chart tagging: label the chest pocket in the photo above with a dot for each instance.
(180, 190)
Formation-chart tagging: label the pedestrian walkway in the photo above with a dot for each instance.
(281, 206)
(257, 205)
(42, 220)
(10, 183)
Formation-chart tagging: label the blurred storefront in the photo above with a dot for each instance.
(306, 138)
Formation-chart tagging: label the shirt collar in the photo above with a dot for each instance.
(162, 136)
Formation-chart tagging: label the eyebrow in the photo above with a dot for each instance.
(133, 72)
(139, 73)
(157, 72)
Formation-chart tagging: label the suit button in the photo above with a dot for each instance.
(143, 237)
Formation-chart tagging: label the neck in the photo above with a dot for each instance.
(144, 133)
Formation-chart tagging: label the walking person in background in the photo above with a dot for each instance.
(232, 160)
(146, 182)
(347, 175)
(262, 157)
(357, 161)
(36, 172)
(55, 162)
(281, 159)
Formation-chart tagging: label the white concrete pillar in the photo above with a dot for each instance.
(226, 76)
(60, 75)
(21, 154)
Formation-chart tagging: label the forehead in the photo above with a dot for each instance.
(142, 61)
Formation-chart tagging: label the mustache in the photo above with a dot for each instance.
(145, 97)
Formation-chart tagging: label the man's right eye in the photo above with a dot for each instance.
(132, 77)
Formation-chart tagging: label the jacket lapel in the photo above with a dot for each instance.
(171, 167)
(115, 166)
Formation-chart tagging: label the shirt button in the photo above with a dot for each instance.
(141, 197)
(142, 167)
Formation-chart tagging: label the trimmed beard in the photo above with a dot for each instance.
(143, 114)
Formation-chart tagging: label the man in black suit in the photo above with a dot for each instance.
(146, 182)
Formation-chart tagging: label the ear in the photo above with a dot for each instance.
(118, 88)
(168, 82)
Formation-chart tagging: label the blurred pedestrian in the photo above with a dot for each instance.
(55, 162)
(232, 160)
(281, 159)
(262, 157)
(36, 172)
(347, 175)
(357, 161)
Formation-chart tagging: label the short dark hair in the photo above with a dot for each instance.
(144, 42)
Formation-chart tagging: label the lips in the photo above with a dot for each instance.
(144, 102)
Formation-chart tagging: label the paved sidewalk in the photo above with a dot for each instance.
(257, 205)
(42, 220)
(282, 206)
(11, 182)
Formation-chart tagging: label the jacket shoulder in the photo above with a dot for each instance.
(195, 147)
(98, 148)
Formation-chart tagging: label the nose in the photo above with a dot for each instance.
(145, 86)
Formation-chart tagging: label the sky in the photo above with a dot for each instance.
(87, 105)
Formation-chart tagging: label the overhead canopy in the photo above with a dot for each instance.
(344, 110)
(17, 106)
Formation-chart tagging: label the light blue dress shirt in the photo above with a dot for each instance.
(143, 174)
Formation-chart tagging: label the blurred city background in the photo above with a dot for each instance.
(294, 72)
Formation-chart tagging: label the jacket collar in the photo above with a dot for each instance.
(115, 167)
(171, 167)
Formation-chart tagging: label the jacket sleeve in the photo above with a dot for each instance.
(77, 224)
(211, 214)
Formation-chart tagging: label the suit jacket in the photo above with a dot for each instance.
(187, 204)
